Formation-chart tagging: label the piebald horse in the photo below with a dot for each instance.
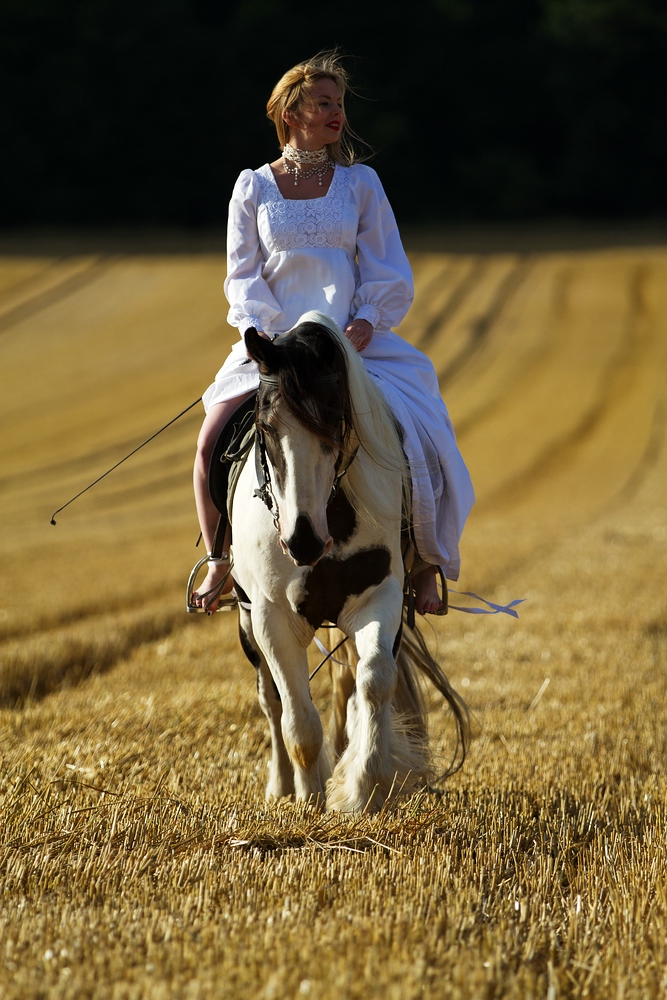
(333, 477)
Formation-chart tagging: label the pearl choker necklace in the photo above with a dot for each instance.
(304, 163)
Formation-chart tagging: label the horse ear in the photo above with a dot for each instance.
(262, 351)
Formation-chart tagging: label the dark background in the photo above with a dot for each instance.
(119, 112)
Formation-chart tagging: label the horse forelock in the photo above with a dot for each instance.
(312, 382)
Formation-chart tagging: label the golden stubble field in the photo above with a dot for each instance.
(138, 858)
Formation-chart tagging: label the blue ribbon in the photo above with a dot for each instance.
(506, 609)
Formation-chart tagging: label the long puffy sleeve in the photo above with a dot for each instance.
(250, 299)
(385, 290)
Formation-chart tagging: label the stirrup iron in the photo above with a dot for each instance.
(228, 601)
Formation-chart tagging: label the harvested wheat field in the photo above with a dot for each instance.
(138, 856)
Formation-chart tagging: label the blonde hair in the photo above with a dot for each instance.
(293, 91)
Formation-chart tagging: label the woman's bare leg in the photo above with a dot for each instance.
(208, 514)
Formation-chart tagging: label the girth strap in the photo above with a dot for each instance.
(229, 449)
(409, 593)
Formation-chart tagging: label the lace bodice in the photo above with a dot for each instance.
(309, 222)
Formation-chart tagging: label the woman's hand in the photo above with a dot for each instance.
(360, 333)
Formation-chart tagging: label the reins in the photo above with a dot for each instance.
(330, 654)
(263, 473)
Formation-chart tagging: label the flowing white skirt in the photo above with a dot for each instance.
(442, 492)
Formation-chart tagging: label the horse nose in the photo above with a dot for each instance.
(304, 544)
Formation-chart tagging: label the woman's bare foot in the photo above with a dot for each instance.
(215, 574)
(427, 598)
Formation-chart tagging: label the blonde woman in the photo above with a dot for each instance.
(314, 231)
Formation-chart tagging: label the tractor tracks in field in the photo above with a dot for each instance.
(462, 290)
(150, 477)
(91, 464)
(79, 617)
(649, 457)
(619, 381)
(481, 327)
(533, 358)
(616, 381)
(36, 665)
(29, 306)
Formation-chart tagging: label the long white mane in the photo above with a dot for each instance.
(377, 435)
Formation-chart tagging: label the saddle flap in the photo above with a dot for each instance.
(229, 453)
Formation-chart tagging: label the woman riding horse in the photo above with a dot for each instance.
(325, 546)
(314, 231)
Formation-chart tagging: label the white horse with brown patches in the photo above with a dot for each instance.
(331, 471)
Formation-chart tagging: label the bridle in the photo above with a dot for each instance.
(264, 489)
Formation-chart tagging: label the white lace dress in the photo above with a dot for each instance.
(342, 255)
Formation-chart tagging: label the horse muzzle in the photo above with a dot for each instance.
(304, 544)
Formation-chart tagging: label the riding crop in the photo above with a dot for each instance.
(133, 452)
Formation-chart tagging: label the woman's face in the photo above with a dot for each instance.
(320, 119)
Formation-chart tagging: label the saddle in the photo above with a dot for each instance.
(229, 456)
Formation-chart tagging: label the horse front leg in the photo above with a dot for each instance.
(281, 775)
(300, 723)
(377, 758)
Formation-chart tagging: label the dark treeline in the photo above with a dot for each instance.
(144, 111)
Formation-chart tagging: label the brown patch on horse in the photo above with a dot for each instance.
(341, 519)
(329, 584)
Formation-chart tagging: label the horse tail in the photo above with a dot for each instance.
(414, 657)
